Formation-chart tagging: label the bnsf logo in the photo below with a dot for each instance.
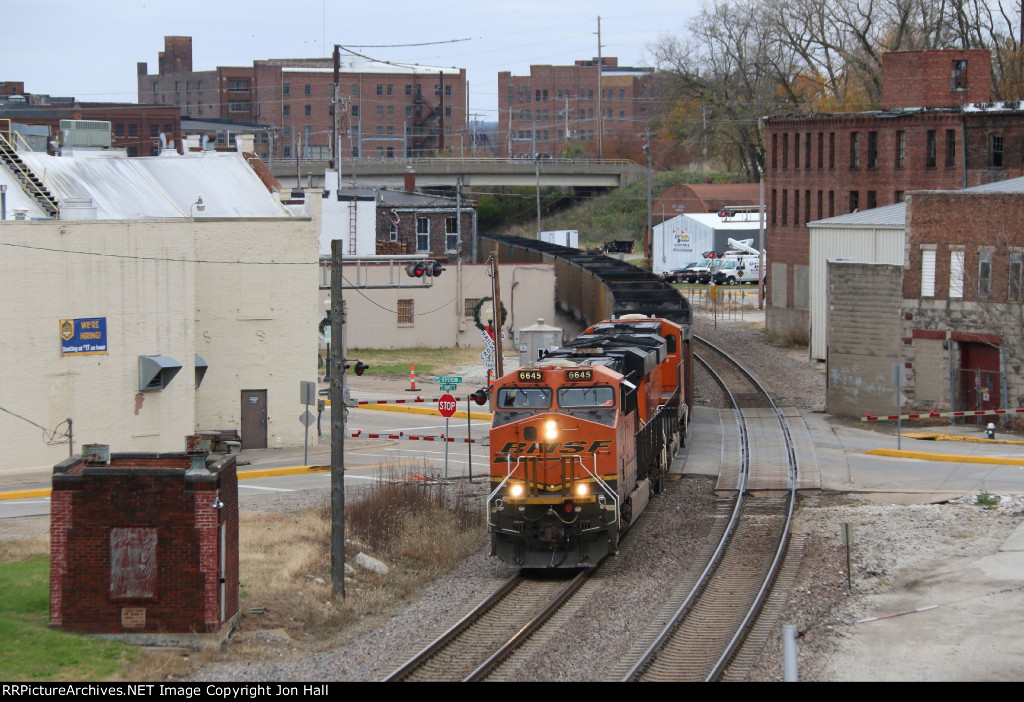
(569, 447)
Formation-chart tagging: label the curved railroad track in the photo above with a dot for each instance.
(493, 630)
(710, 613)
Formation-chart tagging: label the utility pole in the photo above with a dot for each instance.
(336, 141)
(600, 90)
(337, 395)
(650, 189)
(536, 169)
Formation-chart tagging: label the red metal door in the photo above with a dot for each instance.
(979, 376)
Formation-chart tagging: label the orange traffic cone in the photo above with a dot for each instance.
(412, 379)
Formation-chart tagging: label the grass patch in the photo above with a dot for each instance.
(791, 337)
(30, 651)
(427, 361)
(986, 500)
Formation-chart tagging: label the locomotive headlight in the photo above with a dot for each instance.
(582, 489)
(516, 490)
(551, 430)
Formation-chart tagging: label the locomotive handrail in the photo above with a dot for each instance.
(601, 483)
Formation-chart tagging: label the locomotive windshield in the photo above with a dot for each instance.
(586, 397)
(524, 398)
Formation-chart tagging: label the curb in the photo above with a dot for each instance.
(423, 410)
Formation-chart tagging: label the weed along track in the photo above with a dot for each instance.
(493, 630)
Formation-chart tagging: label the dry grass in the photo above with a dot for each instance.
(21, 549)
(418, 530)
(788, 338)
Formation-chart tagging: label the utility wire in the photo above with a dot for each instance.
(52, 438)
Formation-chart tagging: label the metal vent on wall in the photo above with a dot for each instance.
(201, 368)
(156, 372)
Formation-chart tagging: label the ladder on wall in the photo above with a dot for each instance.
(352, 210)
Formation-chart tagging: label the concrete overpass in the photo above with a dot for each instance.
(446, 172)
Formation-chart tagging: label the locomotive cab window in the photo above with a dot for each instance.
(524, 398)
(593, 396)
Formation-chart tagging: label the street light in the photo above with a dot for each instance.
(327, 338)
(197, 206)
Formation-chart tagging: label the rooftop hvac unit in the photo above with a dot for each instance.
(83, 132)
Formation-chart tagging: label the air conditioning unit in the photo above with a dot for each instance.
(84, 132)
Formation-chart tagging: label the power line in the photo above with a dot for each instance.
(161, 258)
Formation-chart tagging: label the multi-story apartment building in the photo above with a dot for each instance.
(383, 110)
(575, 110)
(936, 130)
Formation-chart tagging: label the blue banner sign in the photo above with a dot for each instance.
(79, 337)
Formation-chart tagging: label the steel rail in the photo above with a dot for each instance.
(716, 559)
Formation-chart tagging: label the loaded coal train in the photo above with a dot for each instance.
(582, 439)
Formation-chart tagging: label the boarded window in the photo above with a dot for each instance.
(956, 274)
(469, 304)
(405, 313)
(984, 274)
(133, 567)
(928, 273)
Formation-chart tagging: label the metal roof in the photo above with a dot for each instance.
(154, 187)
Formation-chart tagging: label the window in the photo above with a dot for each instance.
(854, 150)
(872, 149)
(807, 150)
(238, 85)
(785, 207)
(118, 130)
(775, 205)
(928, 273)
(391, 152)
(391, 111)
(408, 89)
(775, 151)
(984, 274)
(355, 110)
(380, 88)
(901, 149)
(390, 89)
(821, 150)
(468, 305)
(958, 77)
(422, 234)
(831, 151)
(996, 150)
(408, 110)
(930, 153)
(956, 274)
(950, 148)
(380, 111)
(154, 130)
(287, 110)
(308, 89)
(405, 313)
(785, 151)
(872, 199)
(796, 207)
(451, 234)
(133, 130)
(308, 109)
(286, 89)
(238, 106)
(854, 200)
(1014, 284)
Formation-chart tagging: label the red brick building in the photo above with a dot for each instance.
(936, 130)
(559, 111)
(134, 128)
(144, 546)
(383, 111)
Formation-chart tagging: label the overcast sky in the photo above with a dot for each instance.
(89, 49)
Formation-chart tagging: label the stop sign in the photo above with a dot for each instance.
(446, 405)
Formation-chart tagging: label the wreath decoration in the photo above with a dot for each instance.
(476, 314)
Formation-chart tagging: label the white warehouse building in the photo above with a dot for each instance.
(685, 238)
(168, 295)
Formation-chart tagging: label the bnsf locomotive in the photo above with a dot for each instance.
(581, 440)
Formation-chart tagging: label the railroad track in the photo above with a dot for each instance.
(493, 630)
(709, 615)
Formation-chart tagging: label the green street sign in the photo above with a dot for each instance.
(448, 380)
(448, 387)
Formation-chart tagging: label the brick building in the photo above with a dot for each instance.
(134, 128)
(559, 111)
(120, 567)
(384, 110)
(949, 312)
(936, 130)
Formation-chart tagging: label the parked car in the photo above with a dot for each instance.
(672, 276)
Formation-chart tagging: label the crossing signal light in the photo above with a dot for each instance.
(479, 397)
(431, 269)
(360, 367)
